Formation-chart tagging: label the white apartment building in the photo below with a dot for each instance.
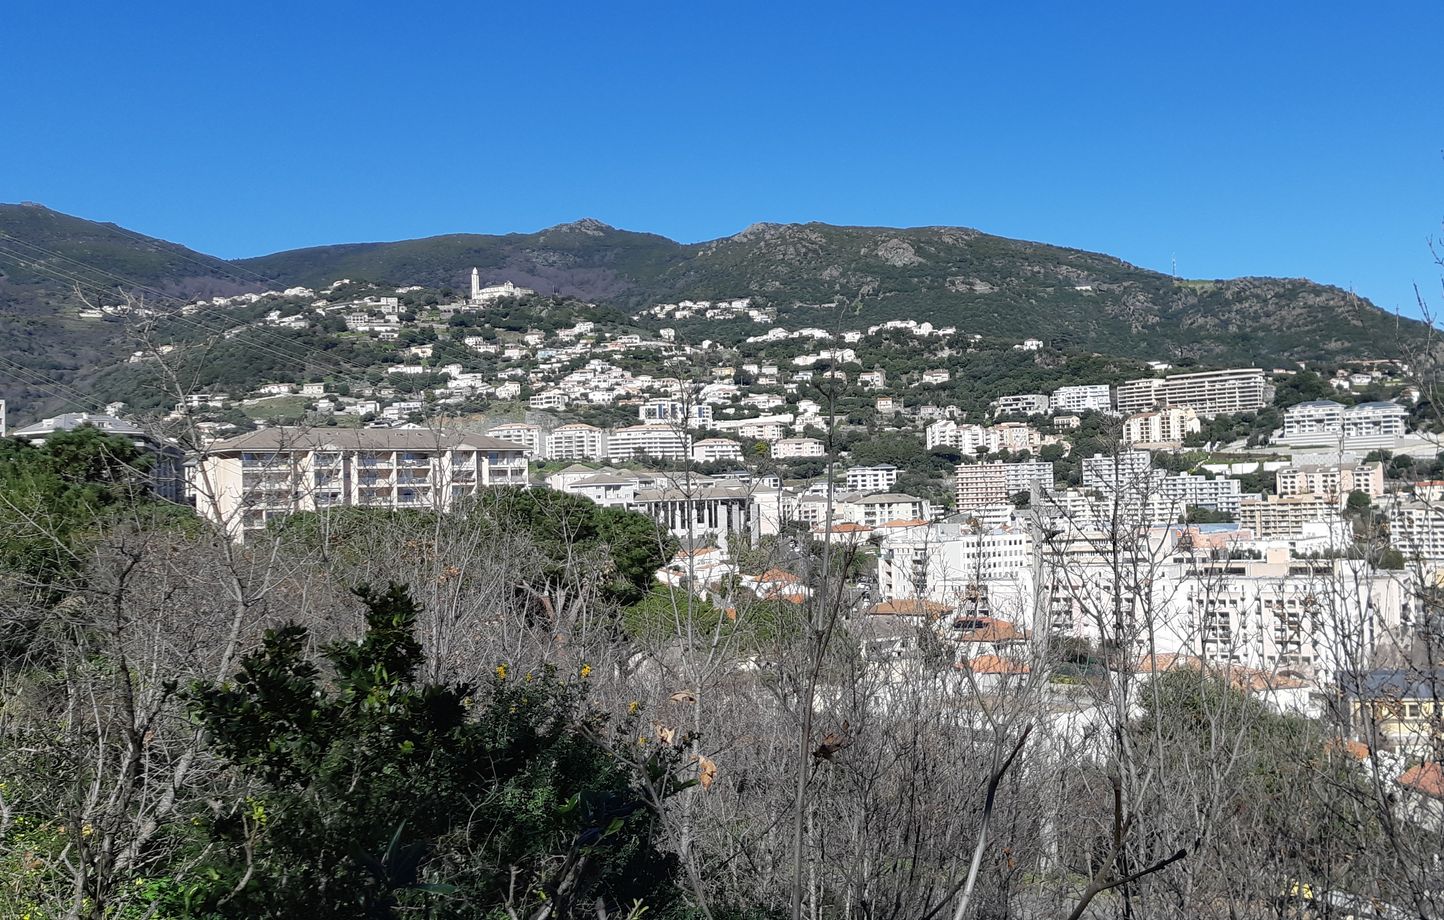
(1088, 398)
(1184, 490)
(565, 478)
(608, 489)
(1208, 393)
(1416, 529)
(872, 380)
(876, 510)
(974, 439)
(1021, 404)
(1316, 421)
(769, 431)
(531, 437)
(1366, 425)
(1334, 482)
(1278, 516)
(1158, 496)
(788, 448)
(1315, 617)
(675, 412)
(1129, 469)
(244, 482)
(1161, 427)
(1139, 395)
(1375, 421)
(710, 450)
(955, 564)
(979, 485)
(659, 442)
(549, 400)
(577, 441)
(877, 478)
(1010, 436)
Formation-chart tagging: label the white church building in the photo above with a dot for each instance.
(482, 295)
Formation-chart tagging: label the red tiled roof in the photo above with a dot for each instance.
(992, 630)
(910, 608)
(994, 664)
(778, 575)
(1426, 778)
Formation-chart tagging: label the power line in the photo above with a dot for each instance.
(277, 350)
(226, 263)
(54, 387)
(279, 346)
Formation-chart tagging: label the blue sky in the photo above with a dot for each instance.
(1250, 138)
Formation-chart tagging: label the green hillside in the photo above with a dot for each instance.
(814, 274)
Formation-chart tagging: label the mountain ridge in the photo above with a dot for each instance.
(810, 272)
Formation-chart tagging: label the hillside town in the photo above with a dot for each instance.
(754, 462)
(1149, 511)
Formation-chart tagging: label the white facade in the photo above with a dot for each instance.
(1208, 393)
(975, 439)
(531, 437)
(1021, 404)
(1416, 529)
(548, 400)
(659, 442)
(955, 564)
(1381, 420)
(1186, 490)
(979, 485)
(1276, 516)
(577, 442)
(1335, 482)
(711, 450)
(788, 448)
(167, 479)
(1323, 421)
(675, 412)
(245, 482)
(876, 510)
(878, 478)
(1318, 420)
(483, 295)
(1282, 613)
(1161, 427)
(705, 512)
(1089, 398)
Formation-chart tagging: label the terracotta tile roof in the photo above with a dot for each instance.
(781, 576)
(910, 608)
(988, 629)
(1255, 680)
(994, 664)
(1152, 664)
(844, 527)
(1358, 750)
(1426, 778)
(907, 522)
